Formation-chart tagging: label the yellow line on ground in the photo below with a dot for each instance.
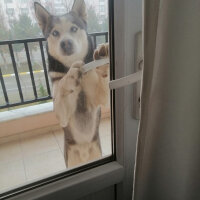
(22, 73)
(7, 75)
(37, 71)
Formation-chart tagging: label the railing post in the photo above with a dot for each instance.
(4, 88)
(16, 72)
(30, 69)
(95, 42)
(106, 36)
(45, 68)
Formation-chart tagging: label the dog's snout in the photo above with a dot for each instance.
(67, 46)
(62, 44)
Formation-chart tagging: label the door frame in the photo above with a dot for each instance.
(119, 172)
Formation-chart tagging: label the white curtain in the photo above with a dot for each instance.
(168, 150)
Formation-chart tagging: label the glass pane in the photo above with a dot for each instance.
(47, 142)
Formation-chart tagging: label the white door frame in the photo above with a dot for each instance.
(127, 22)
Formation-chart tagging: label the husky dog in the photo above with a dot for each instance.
(76, 96)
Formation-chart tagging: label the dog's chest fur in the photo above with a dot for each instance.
(83, 124)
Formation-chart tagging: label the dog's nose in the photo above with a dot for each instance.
(67, 46)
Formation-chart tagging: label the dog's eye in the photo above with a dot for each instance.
(74, 29)
(55, 33)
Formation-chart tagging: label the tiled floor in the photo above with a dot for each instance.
(28, 157)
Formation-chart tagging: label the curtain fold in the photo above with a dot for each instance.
(168, 149)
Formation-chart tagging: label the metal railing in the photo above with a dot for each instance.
(16, 75)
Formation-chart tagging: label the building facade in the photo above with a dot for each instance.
(11, 9)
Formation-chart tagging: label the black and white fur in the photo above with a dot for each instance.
(77, 97)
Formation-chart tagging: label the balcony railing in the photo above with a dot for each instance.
(7, 93)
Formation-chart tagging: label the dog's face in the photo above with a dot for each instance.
(66, 35)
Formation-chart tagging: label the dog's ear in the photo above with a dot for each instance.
(42, 16)
(79, 8)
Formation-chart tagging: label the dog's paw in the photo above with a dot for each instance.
(77, 64)
(72, 80)
(102, 52)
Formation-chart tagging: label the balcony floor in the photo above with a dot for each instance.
(28, 156)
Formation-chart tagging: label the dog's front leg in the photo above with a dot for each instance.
(102, 90)
(66, 93)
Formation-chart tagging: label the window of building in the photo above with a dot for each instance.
(24, 11)
(10, 11)
(23, 1)
(102, 8)
(8, 1)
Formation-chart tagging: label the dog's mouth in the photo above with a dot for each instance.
(67, 47)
